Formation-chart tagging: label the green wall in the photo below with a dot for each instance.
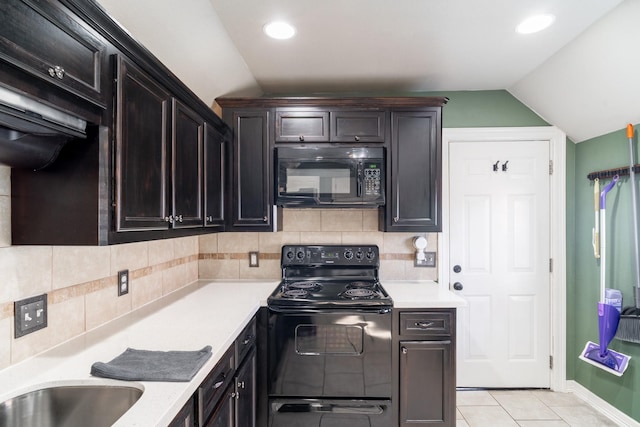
(605, 152)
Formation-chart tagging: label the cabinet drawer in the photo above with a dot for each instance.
(436, 324)
(50, 43)
(357, 126)
(302, 126)
(213, 387)
(245, 341)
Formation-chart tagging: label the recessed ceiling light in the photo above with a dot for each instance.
(279, 30)
(535, 23)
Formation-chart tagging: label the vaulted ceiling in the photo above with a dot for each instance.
(581, 74)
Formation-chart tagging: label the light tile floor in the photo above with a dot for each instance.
(525, 408)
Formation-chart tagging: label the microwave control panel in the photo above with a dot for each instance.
(372, 179)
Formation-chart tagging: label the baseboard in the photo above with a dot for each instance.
(601, 405)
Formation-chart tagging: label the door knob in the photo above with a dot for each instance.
(457, 269)
(458, 286)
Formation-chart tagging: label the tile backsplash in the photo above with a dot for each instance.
(81, 281)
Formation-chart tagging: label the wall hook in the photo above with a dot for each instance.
(504, 166)
(495, 166)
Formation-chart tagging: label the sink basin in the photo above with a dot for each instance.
(69, 405)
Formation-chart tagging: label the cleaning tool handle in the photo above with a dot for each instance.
(596, 228)
(634, 207)
(607, 188)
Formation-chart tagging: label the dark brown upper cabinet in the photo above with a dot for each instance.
(143, 123)
(214, 177)
(57, 48)
(301, 126)
(357, 126)
(414, 175)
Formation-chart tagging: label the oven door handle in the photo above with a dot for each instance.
(291, 310)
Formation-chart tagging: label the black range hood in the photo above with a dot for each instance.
(33, 133)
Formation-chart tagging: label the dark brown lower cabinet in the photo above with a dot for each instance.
(245, 410)
(186, 417)
(425, 362)
(223, 414)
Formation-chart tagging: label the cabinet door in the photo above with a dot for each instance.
(302, 126)
(414, 193)
(357, 126)
(142, 158)
(427, 384)
(48, 42)
(186, 417)
(223, 415)
(186, 166)
(252, 182)
(246, 397)
(214, 177)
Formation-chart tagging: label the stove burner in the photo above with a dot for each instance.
(361, 285)
(359, 293)
(308, 286)
(295, 293)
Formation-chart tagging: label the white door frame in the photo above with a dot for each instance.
(557, 203)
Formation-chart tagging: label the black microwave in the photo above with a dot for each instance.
(330, 176)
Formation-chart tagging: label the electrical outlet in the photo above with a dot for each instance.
(428, 261)
(254, 259)
(123, 282)
(30, 315)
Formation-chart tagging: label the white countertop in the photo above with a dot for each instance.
(204, 313)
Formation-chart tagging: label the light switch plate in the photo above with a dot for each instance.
(123, 282)
(428, 261)
(254, 259)
(30, 315)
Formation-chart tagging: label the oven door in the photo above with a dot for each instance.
(318, 182)
(330, 353)
(330, 413)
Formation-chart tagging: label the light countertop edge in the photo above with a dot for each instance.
(202, 313)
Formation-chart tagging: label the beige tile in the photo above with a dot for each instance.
(525, 407)
(370, 219)
(145, 289)
(341, 220)
(432, 242)
(105, 305)
(458, 414)
(185, 246)
(301, 220)
(582, 416)
(26, 272)
(238, 242)
(174, 278)
(5, 180)
(6, 333)
(551, 398)
(419, 273)
(320, 238)
(399, 243)
(269, 270)
(545, 423)
(487, 416)
(273, 242)
(391, 270)
(78, 264)
(5, 221)
(192, 271)
(208, 243)
(160, 251)
(130, 256)
(219, 269)
(475, 398)
(65, 321)
(362, 238)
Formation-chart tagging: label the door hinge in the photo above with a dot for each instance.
(550, 362)
(550, 265)
(550, 167)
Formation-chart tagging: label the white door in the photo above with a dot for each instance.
(499, 256)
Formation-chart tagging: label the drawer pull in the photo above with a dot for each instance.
(424, 325)
(220, 381)
(247, 340)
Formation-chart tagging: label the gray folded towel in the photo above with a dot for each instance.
(145, 365)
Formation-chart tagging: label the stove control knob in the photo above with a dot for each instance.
(348, 254)
(290, 255)
(371, 255)
(359, 255)
(300, 255)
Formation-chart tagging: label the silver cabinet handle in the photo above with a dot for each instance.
(210, 218)
(265, 219)
(357, 138)
(179, 218)
(301, 137)
(424, 325)
(404, 350)
(56, 71)
(169, 219)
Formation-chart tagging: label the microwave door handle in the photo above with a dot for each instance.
(359, 174)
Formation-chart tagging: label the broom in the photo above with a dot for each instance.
(629, 326)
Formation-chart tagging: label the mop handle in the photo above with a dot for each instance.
(634, 206)
(603, 235)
